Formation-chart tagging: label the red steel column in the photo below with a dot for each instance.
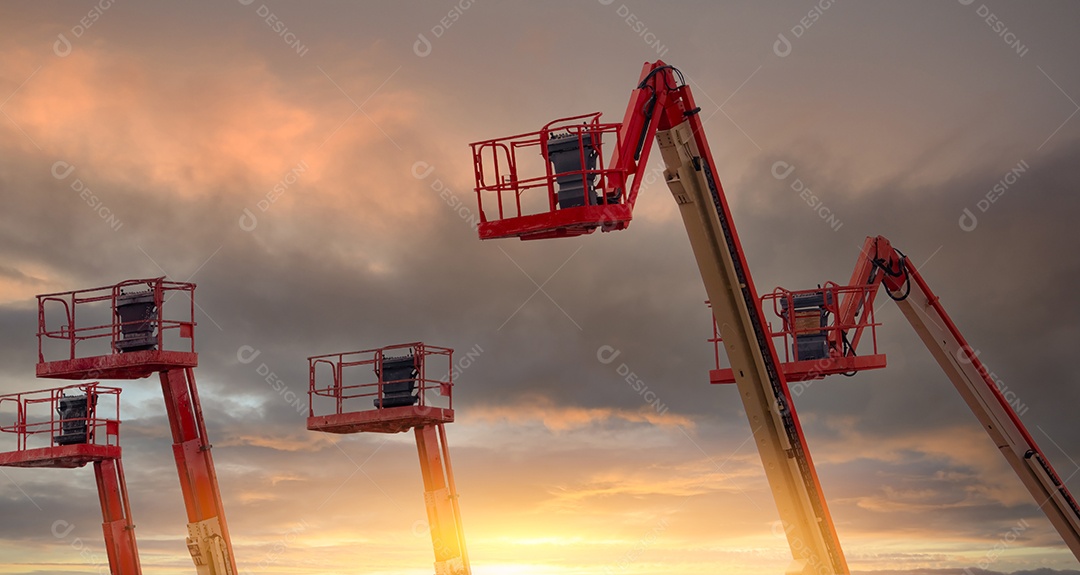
(119, 531)
(208, 534)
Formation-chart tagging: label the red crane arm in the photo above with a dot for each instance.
(579, 193)
(691, 175)
(880, 263)
(208, 534)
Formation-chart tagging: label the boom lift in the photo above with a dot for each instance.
(404, 394)
(840, 317)
(67, 428)
(580, 193)
(821, 328)
(129, 331)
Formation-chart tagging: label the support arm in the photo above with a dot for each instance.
(440, 496)
(690, 174)
(119, 531)
(208, 535)
(966, 371)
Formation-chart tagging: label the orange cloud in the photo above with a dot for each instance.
(566, 418)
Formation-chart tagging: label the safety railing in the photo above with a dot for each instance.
(404, 375)
(815, 338)
(133, 315)
(552, 182)
(85, 413)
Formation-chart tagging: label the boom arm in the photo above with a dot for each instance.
(690, 175)
(579, 194)
(208, 535)
(884, 264)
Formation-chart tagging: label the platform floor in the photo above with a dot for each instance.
(61, 456)
(389, 420)
(811, 369)
(130, 365)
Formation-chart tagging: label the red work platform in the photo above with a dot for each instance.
(66, 427)
(390, 390)
(384, 390)
(125, 331)
(816, 338)
(60, 456)
(132, 330)
(576, 193)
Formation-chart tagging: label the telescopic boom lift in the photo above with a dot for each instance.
(394, 389)
(839, 317)
(131, 331)
(68, 427)
(580, 193)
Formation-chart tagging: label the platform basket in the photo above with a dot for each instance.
(62, 427)
(124, 331)
(811, 341)
(385, 390)
(554, 182)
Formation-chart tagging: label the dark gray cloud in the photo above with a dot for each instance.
(897, 117)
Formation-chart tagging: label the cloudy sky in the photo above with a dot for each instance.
(182, 117)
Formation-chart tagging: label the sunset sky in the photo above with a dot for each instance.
(183, 117)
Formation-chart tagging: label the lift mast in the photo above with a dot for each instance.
(409, 386)
(66, 428)
(580, 193)
(124, 331)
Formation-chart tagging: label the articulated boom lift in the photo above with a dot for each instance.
(821, 328)
(392, 390)
(130, 331)
(66, 428)
(580, 193)
(837, 317)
